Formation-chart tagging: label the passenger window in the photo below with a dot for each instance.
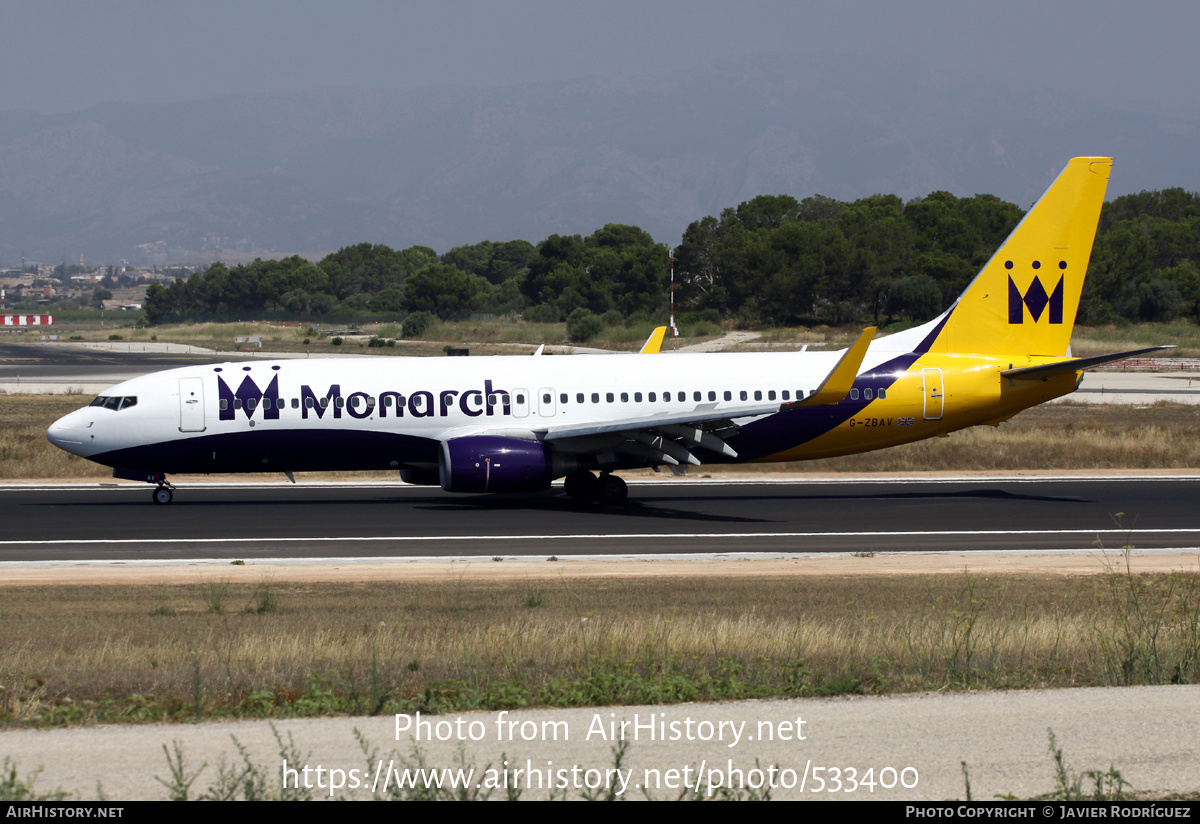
(308, 403)
(579, 398)
(595, 397)
(712, 396)
(853, 394)
(682, 397)
(295, 403)
(339, 402)
(652, 397)
(743, 395)
(624, 397)
(696, 396)
(728, 395)
(787, 395)
(637, 397)
(867, 394)
(562, 398)
(758, 394)
(882, 394)
(354, 402)
(771, 395)
(224, 404)
(492, 401)
(546, 397)
(609, 397)
(237, 403)
(324, 403)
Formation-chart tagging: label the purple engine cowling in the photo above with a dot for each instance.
(486, 463)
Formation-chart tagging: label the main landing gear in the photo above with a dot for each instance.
(163, 493)
(607, 490)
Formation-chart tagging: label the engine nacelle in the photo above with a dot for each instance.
(487, 463)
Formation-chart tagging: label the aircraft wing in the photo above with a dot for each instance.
(669, 438)
(1046, 370)
(662, 439)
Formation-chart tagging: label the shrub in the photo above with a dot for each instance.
(542, 313)
(582, 325)
(417, 324)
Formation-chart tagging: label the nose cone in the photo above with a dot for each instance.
(69, 432)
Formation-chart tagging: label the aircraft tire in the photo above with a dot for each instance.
(580, 486)
(162, 495)
(611, 491)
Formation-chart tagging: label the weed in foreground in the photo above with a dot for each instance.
(394, 777)
(215, 594)
(1070, 785)
(264, 600)
(244, 781)
(15, 788)
(1150, 631)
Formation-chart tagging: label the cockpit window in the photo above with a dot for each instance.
(114, 402)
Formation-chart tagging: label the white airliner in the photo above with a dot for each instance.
(514, 424)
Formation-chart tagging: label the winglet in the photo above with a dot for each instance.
(839, 381)
(654, 342)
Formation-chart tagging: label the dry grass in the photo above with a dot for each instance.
(1098, 340)
(24, 450)
(166, 650)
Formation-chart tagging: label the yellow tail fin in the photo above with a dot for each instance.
(1024, 300)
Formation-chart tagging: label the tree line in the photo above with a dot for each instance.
(772, 260)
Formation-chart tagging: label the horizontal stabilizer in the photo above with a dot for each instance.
(840, 379)
(1047, 370)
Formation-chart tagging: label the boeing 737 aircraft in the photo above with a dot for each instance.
(515, 424)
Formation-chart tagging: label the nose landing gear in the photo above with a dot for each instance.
(164, 490)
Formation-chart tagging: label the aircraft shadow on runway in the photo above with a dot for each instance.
(638, 509)
(543, 502)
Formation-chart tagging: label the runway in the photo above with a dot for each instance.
(663, 518)
(57, 367)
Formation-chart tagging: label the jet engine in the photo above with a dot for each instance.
(487, 463)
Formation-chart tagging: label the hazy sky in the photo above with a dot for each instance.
(66, 56)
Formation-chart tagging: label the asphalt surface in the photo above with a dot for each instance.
(260, 522)
(57, 366)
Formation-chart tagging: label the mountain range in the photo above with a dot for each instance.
(440, 167)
